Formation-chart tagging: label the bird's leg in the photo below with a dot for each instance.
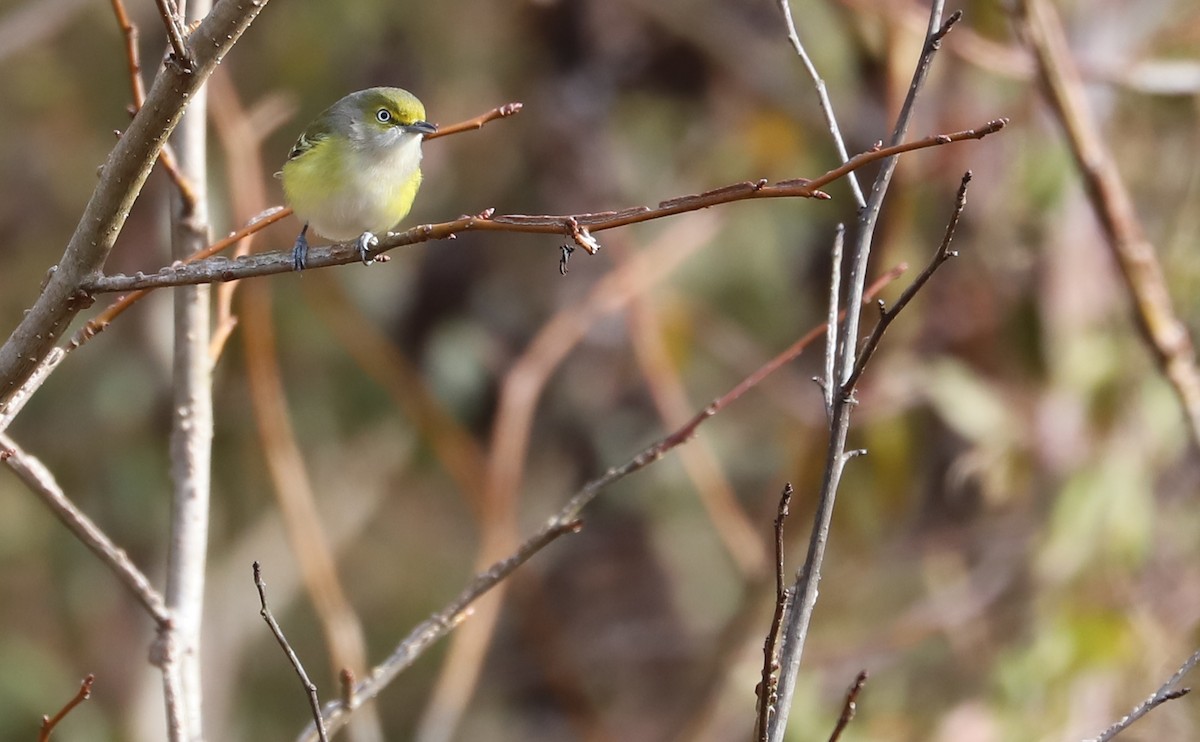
(366, 241)
(300, 250)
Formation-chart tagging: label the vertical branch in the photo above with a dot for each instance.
(766, 688)
(192, 428)
(831, 324)
(804, 591)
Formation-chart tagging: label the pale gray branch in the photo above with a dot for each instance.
(42, 483)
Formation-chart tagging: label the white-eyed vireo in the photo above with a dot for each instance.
(355, 170)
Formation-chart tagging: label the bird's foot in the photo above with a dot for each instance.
(366, 241)
(300, 250)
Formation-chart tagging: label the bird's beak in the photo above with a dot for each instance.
(421, 127)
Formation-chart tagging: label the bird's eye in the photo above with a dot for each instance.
(383, 115)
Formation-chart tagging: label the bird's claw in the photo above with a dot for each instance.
(366, 241)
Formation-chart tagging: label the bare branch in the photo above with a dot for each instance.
(121, 180)
(829, 382)
(220, 269)
(886, 317)
(504, 111)
(83, 694)
(822, 98)
(804, 592)
(766, 687)
(309, 687)
(1166, 692)
(138, 91)
(41, 482)
(849, 707)
(173, 22)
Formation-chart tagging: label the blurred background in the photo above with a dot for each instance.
(1018, 557)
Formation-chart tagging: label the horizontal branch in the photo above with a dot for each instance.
(574, 226)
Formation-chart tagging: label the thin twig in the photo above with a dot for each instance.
(887, 316)
(41, 482)
(566, 520)
(766, 688)
(1162, 329)
(310, 688)
(435, 627)
(1166, 692)
(849, 707)
(500, 112)
(173, 22)
(83, 694)
(138, 92)
(822, 98)
(829, 383)
(130, 32)
(215, 270)
(804, 591)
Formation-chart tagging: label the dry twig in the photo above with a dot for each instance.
(1168, 691)
(309, 687)
(218, 269)
(849, 707)
(83, 694)
(766, 687)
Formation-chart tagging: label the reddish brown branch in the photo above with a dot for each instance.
(569, 224)
(84, 693)
(504, 111)
(849, 707)
(138, 90)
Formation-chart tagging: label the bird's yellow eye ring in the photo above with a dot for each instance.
(383, 115)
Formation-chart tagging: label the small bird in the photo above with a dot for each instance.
(355, 170)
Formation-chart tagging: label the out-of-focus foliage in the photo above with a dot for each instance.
(1018, 557)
